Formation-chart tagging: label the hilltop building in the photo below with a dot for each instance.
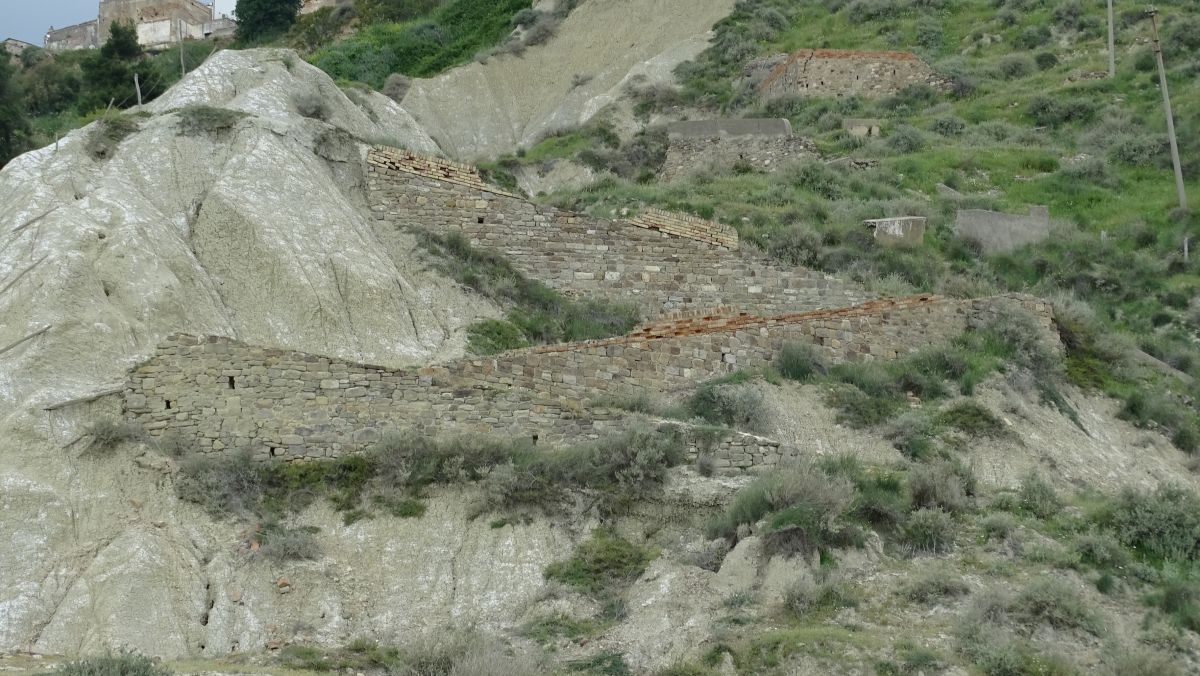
(78, 36)
(14, 46)
(159, 23)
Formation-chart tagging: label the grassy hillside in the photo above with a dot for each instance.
(1029, 119)
(368, 45)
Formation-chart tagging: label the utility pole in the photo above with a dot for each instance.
(1112, 43)
(182, 65)
(1162, 78)
(137, 85)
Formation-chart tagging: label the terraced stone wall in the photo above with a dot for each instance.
(225, 395)
(659, 265)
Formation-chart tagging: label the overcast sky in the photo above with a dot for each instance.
(28, 19)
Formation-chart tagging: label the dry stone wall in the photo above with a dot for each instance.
(838, 72)
(277, 403)
(688, 155)
(761, 144)
(661, 269)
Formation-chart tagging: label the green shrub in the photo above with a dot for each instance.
(933, 585)
(1094, 170)
(390, 476)
(108, 133)
(1164, 411)
(493, 336)
(1101, 550)
(396, 86)
(618, 471)
(1046, 60)
(881, 500)
(949, 126)
(1140, 661)
(1055, 602)
(906, 139)
(807, 597)
(199, 119)
(539, 313)
(799, 361)
(735, 405)
(546, 629)
(1015, 66)
(1162, 524)
(1032, 37)
(929, 530)
(1038, 497)
(124, 663)
(427, 44)
(858, 409)
(1179, 599)
(312, 105)
(1018, 658)
(912, 434)
(945, 485)
(281, 543)
(805, 507)
(1051, 112)
(972, 419)
(604, 562)
(998, 525)
(107, 434)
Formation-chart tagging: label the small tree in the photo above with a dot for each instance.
(108, 73)
(259, 19)
(14, 128)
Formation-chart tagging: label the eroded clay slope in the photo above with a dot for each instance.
(484, 110)
(255, 231)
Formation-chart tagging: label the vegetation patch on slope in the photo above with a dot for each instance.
(1025, 120)
(537, 314)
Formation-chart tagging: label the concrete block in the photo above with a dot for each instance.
(899, 231)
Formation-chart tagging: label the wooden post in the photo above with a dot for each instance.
(1162, 78)
(138, 86)
(1186, 244)
(182, 64)
(1112, 43)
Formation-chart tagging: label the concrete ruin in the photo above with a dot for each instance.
(898, 231)
(758, 144)
(836, 73)
(862, 127)
(998, 232)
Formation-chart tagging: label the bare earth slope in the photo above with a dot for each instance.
(484, 110)
(255, 231)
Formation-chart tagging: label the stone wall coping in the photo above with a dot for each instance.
(688, 226)
(705, 324)
(768, 127)
(429, 166)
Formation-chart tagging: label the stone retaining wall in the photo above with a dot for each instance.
(579, 255)
(687, 155)
(838, 72)
(277, 403)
